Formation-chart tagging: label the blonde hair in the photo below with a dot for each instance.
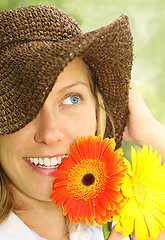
(102, 110)
(101, 114)
(5, 196)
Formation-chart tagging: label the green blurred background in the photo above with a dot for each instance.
(147, 19)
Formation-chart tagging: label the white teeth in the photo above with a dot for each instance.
(54, 161)
(41, 162)
(47, 162)
(31, 160)
(35, 161)
(59, 159)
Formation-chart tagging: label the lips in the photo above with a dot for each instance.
(46, 162)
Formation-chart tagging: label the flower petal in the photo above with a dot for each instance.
(84, 187)
(74, 154)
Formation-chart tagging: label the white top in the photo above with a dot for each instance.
(15, 229)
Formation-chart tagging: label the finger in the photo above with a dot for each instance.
(134, 95)
(135, 98)
(115, 235)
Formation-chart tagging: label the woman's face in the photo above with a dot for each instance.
(31, 154)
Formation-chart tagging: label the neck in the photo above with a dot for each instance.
(43, 217)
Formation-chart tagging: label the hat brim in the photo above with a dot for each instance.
(31, 68)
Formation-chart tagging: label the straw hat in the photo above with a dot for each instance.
(37, 42)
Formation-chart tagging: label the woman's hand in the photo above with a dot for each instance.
(140, 122)
(115, 235)
(142, 127)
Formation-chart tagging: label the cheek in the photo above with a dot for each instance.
(83, 125)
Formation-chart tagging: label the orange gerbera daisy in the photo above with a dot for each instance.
(88, 183)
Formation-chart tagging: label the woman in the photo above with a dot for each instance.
(58, 84)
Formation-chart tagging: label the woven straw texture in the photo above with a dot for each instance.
(37, 42)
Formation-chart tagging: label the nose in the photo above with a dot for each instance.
(48, 129)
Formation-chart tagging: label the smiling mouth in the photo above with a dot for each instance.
(46, 162)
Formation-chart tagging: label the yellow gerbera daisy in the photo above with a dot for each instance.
(144, 188)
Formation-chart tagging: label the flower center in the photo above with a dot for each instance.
(140, 192)
(88, 179)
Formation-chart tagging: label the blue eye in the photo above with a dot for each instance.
(71, 100)
(74, 100)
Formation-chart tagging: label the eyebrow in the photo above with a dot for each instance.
(72, 85)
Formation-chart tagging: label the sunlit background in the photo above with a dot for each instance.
(147, 19)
